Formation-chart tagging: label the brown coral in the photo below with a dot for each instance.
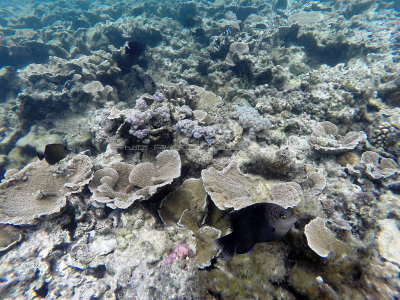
(121, 184)
(237, 48)
(40, 190)
(325, 138)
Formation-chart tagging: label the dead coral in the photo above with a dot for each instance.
(251, 276)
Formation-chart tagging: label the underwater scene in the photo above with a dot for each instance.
(222, 149)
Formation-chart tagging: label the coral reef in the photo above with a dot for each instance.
(178, 112)
(325, 138)
(322, 241)
(39, 190)
(120, 184)
(9, 237)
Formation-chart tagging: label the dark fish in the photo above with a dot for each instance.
(135, 48)
(257, 223)
(53, 153)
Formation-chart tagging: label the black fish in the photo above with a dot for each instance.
(257, 223)
(135, 48)
(53, 153)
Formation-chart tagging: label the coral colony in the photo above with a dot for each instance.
(199, 149)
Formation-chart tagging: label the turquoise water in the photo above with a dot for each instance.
(176, 113)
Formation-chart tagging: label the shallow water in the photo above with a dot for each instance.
(175, 113)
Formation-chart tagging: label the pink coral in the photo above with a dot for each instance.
(181, 252)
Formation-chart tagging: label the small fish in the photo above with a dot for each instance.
(257, 223)
(227, 32)
(53, 153)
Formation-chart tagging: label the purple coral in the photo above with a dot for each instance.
(158, 97)
(163, 112)
(204, 131)
(189, 128)
(185, 112)
(185, 127)
(140, 133)
(141, 104)
(250, 119)
(181, 252)
(138, 118)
